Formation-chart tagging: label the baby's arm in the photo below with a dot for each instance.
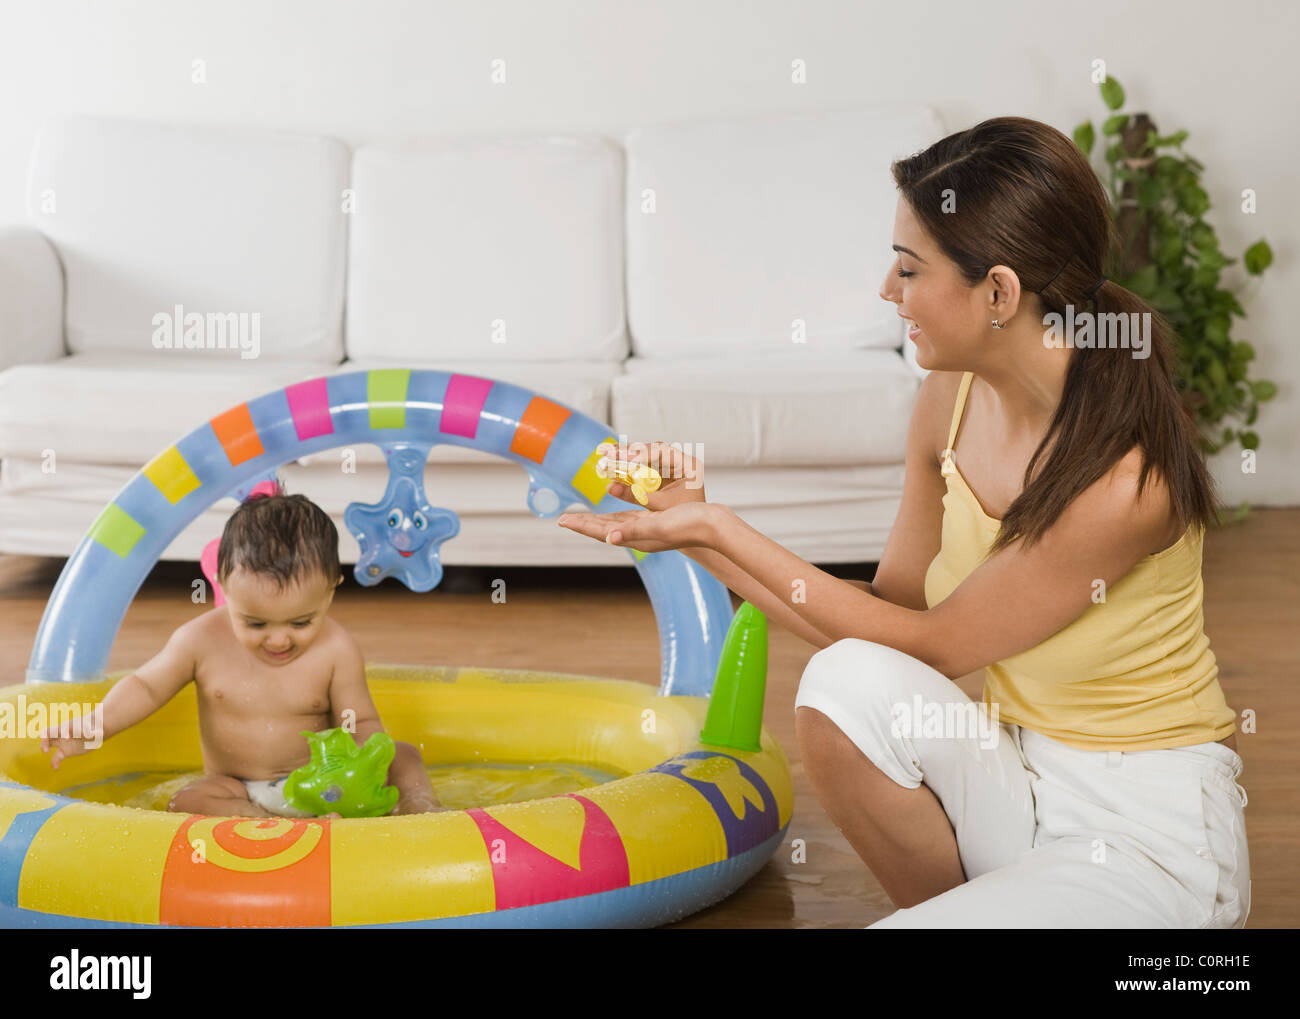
(132, 698)
(352, 706)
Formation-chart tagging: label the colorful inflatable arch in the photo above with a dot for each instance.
(687, 825)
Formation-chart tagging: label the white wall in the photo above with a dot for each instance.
(360, 70)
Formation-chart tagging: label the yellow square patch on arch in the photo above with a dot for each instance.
(171, 475)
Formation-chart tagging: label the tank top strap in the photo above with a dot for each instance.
(958, 409)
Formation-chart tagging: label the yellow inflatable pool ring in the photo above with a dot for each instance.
(687, 825)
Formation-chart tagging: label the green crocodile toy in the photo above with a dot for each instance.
(342, 777)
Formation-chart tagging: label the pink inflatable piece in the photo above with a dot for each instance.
(208, 560)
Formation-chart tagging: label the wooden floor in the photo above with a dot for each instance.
(587, 621)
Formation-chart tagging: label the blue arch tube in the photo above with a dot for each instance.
(404, 412)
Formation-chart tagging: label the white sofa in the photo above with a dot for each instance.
(711, 282)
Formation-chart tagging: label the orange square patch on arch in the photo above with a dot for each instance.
(237, 434)
(538, 424)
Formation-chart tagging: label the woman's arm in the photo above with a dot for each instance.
(913, 539)
(756, 594)
(1010, 602)
(684, 485)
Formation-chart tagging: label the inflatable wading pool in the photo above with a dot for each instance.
(701, 795)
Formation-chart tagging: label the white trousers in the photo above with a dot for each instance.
(1048, 836)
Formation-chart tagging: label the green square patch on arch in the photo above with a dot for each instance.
(386, 393)
(116, 530)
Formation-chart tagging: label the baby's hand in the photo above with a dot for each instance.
(69, 739)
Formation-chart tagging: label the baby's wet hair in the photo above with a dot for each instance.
(286, 537)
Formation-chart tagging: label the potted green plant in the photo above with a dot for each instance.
(1170, 257)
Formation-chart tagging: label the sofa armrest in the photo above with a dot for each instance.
(31, 298)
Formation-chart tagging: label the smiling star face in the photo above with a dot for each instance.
(401, 535)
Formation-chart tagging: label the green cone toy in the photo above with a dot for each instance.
(735, 718)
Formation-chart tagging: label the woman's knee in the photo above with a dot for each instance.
(820, 738)
(872, 670)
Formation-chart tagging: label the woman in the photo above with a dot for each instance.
(1050, 533)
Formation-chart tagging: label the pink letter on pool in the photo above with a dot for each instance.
(463, 404)
(309, 403)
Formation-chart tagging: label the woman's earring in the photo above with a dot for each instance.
(996, 326)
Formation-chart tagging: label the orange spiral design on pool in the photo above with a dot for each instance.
(254, 847)
(276, 870)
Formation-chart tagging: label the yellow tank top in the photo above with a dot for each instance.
(1134, 672)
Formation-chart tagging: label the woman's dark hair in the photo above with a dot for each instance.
(1026, 197)
(287, 537)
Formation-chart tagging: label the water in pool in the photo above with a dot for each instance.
(456, 785)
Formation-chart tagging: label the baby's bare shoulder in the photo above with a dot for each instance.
(203, 633)
(338, 644)
(206, 638)
(336, 634)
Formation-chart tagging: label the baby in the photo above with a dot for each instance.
(267, 665)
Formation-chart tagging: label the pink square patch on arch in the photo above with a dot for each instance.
(463, 404)
(309, 406)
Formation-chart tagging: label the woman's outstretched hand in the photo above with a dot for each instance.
(686, 525)
(677, 515)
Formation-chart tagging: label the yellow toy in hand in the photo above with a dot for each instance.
(640, 478)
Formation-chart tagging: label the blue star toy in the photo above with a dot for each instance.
(401, 535)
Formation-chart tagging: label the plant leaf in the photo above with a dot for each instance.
(1258, 257)
(1084, 137)
(1192, 198)
(1112, 93)
(1151, 192)
(1202, 236)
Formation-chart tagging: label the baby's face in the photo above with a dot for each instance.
(277, 625)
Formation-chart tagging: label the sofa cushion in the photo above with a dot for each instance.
(759, 222)
(148, 218)
(804, 410)
(457, 242)
(113, 408)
